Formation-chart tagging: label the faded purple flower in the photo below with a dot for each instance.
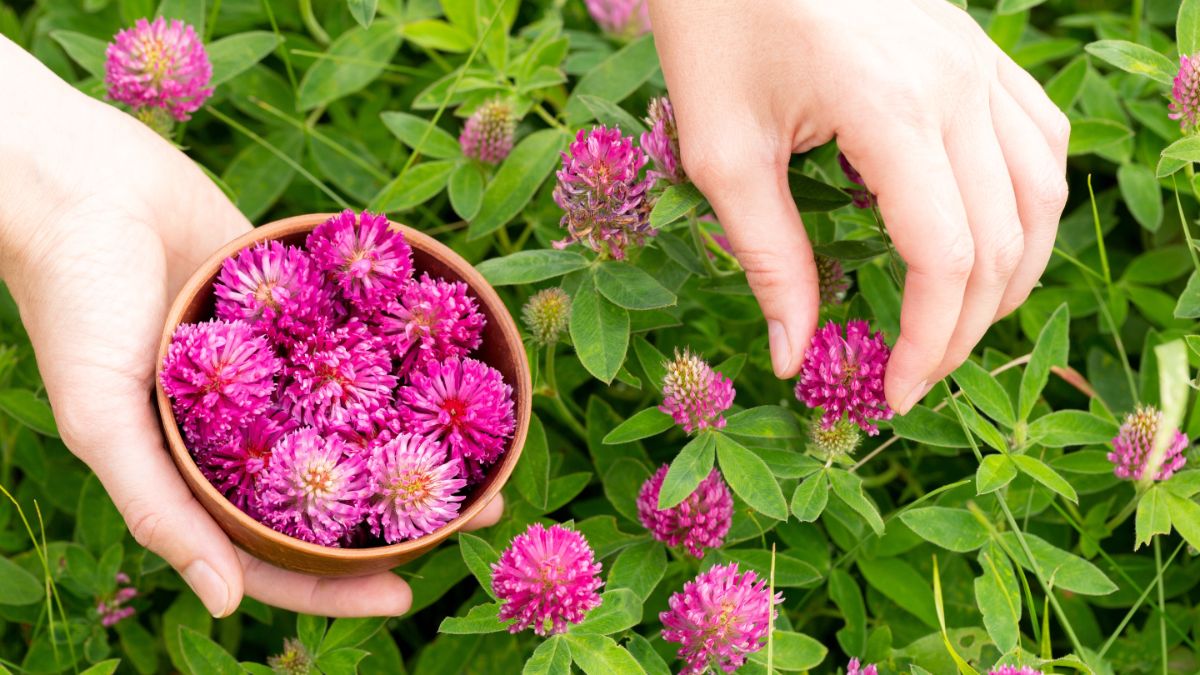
(832, 282)
(1185, 94)
(416, 489)
(623, 19)
(313, 489)
(274, 288)
(465, 405)
(719, 618)
(219, 374)
(545, 579)
(432, 320)
(862, 196)
(1135, 441)
(114, 608)
(843, 374)
(599, 189)
(295, 659)
(232, 466)
(855, 668)
(339, 378)
(1013, 670)
(700, 521)
(369, 261)
(694, 394)
(158, 65)
(661, 143)
(487, 134)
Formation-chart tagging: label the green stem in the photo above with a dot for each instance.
(212, 20)
(281, 49)
(1099, 237)
(1183, 221)
(549, 118)
(1125, 512)
(893, 258)
(698, 242)
(1012, 523)
(311, 23)
(1162, 602)
(1135, 22)
(555, 395)
(1137, 605)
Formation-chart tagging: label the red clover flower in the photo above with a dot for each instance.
(233, 466)
(623, 19)
(274, 288)
(545, 579)
(599, 189)
(856, 668)
(861, 197)
(432, 320)
(370, 262)
(158, 65)
(695, 394)
(339, 378)
(313, 489)
(219, 374)
(113, 609)
(661, 143)
(719, 618)
(488, 133)
(698, 522)
(1185, 94)
(416, 489)
(843, 373)
(1135, 441)
(547, 314)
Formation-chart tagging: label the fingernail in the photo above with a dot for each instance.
(918, 392)
(209, 587)
(781, 356)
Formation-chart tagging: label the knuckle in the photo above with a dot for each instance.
(1051, 194)
(145, 524)
(957, 259)
(712, 166)
(764, 272)
(1007, 251)
(1060, 130)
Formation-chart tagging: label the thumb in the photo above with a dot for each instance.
(753, 203)
(120, 440)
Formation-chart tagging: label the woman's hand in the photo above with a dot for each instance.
(963, 150)
(101, 222)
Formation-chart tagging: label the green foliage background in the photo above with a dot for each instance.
(934, 552)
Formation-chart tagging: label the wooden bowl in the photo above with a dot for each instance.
(502, 349)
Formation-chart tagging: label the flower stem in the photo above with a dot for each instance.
(893, 258)
(1125, 512)
(552, 383)
(310, 22)
(698, 241)
(1162, 602)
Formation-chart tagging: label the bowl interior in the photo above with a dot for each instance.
(501, 348)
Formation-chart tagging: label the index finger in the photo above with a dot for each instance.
(911, 176)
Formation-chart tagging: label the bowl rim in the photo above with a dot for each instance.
(500, 473)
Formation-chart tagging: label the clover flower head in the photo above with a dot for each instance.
(843, 374)
(623, 19)
(835, 442)
(831, 280)
(1185, 94)
(1013, 670)
(856, 668)
(694, 394)
(861, 197)
(719, 618)
(313, 489)
(274, 288)
(416, 489)
(661, 143)
(547, 314)
(114, 608)
(219, 374)
(294, 660)
(158, 65)
(488, 133)
(339, 378)
(465, 405)
(1134, 443)
(233, 466)
(698, 522)
(370, 262)
(546, 579)
(432, 320)
(599, 190)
